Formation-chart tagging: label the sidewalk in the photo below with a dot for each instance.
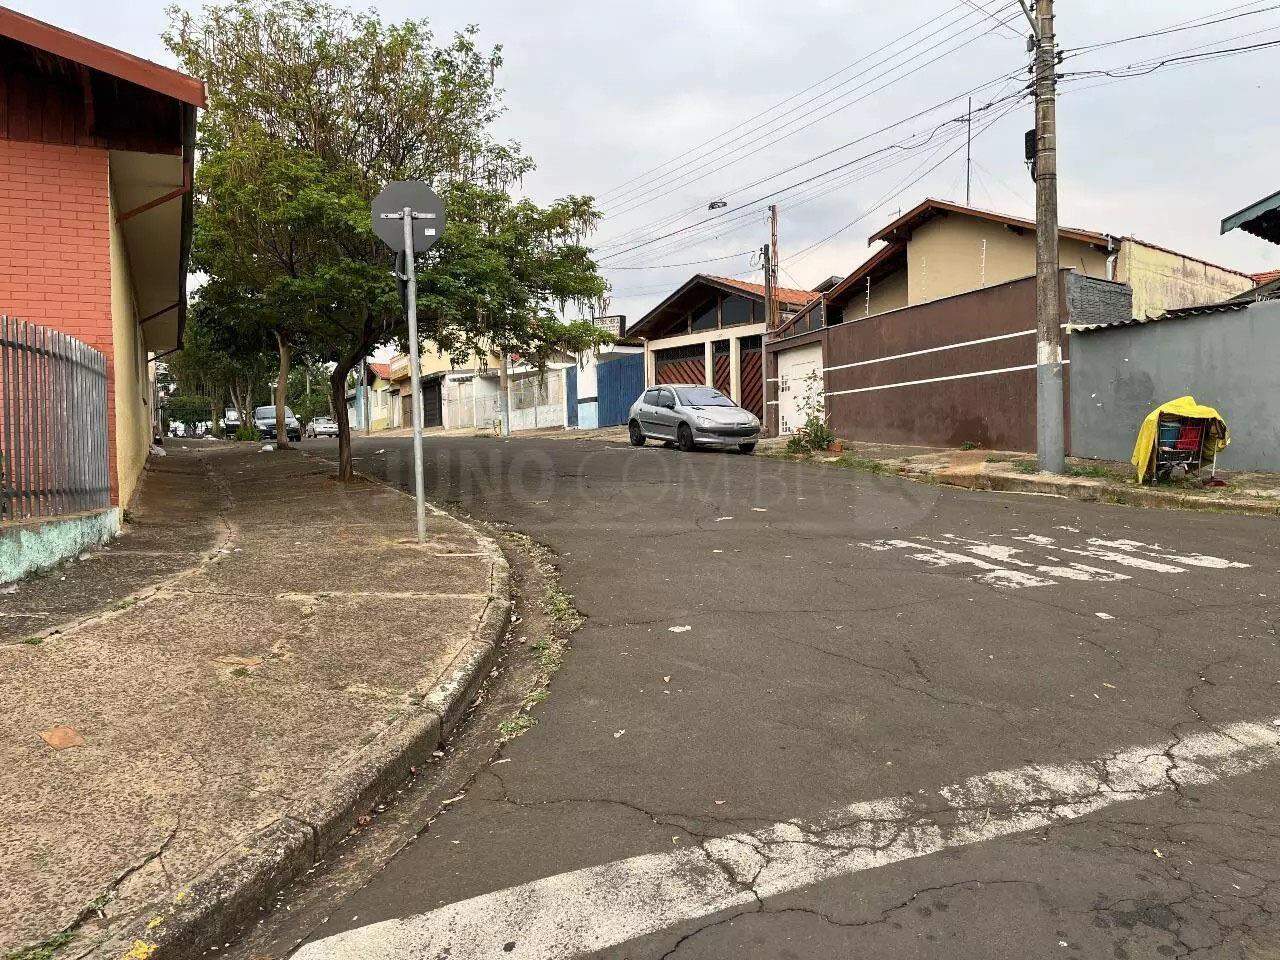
(276, 651)
(1089, 480)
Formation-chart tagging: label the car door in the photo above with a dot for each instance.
(665, 416)
(647, 413)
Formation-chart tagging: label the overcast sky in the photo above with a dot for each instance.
(601, 93)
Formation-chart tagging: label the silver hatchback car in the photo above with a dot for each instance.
(692, 416)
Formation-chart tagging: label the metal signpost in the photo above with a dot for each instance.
(421, 216)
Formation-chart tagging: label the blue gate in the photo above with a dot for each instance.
(571, 394)
(619, 382)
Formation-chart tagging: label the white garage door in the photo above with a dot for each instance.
(799, 379)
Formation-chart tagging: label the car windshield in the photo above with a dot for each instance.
(269, 413)
(703, 397)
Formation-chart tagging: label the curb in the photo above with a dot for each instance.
(1092, 491)
(230, 895)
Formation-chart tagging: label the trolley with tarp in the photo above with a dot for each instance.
(1179, 437)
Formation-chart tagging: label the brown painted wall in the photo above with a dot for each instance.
(995, 411)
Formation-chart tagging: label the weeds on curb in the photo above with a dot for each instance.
(44, 950)
(549, 643)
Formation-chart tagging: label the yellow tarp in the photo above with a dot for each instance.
(1144, 450)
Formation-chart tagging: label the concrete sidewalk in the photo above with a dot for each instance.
(1253, 493)
(167, 763)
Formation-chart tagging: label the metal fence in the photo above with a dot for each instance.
(53, 423)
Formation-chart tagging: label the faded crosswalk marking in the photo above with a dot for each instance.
(1033, 560)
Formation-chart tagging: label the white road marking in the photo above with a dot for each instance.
(600, 907)
(1191, 560)
(1010, 569)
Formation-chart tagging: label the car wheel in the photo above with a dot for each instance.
(684, 438)
(635, 434)
(747, 448)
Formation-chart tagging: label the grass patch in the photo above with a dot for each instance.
(45, 950)
(1026, 466)
(862, 463)
(968, 445)
(1097, 473)
(558, 605)
(514, 726)
(33, 641)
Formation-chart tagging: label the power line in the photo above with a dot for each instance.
(779, 104)
(807, 195)
(630, 235)
(1181, 26)
(902, 145)
(897, 191)
(691, 263)
(993, 17)
(651, 192)
(1143, 69)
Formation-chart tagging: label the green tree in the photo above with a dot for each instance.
(187, 409)
(217, 360)
(312, 110)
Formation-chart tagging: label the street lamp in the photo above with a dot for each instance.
(717, 205)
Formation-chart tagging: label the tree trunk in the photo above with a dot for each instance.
(338, 396)
(282, 393)
(338, 400)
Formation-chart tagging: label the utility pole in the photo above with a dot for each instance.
(773, 263)
(1050, 440)
(968, 157)
(768, 256)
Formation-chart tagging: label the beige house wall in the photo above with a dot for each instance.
(1163, 280)
(887, 293)
(132, 379)
(955, 254)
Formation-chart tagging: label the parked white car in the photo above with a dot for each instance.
(322, 427)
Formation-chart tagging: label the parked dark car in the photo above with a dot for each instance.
(264, 418)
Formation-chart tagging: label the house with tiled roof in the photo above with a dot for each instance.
(711, 330)
(96, 154)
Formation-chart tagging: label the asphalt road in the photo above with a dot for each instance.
(817, 713)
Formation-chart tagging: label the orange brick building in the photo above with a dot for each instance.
(96, 152)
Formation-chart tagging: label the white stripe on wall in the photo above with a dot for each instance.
(954, 376)
(949, 346)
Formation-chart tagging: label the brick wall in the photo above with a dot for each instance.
(55, 253)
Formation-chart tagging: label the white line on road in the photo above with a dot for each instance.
(601, 907)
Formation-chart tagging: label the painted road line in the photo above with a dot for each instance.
(1005, 566)
(597, 908)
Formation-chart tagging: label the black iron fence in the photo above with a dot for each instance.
(53, 423)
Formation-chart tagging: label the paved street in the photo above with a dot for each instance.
(819, 713)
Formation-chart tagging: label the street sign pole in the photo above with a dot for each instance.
(413, 204)
(415, 371)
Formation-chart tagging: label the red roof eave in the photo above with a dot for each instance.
(98, 56)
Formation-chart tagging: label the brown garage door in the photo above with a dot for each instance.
(680, 365)
(753, 376)
(721, 369)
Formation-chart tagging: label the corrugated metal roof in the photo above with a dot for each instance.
(1230, 306)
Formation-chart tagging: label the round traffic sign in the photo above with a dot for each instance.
(388, 215)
